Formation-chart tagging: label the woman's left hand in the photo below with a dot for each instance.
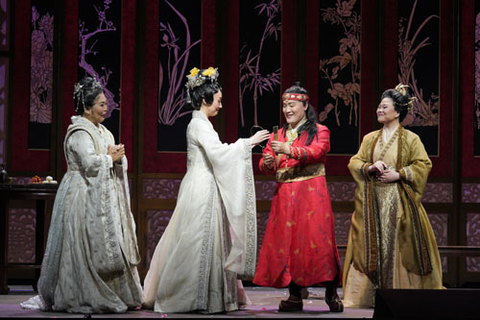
(389, 176)
(280, 147)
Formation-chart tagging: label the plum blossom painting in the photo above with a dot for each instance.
(99, 37)
(41, 75)
(259, 69)
(476, 111)
(418, 66)
(179, 52)
(339, 73)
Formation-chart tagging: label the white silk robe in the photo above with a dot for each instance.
(91, 256)
(211, 236)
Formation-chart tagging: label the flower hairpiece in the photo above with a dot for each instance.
(198, 77)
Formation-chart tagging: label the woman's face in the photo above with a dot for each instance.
(97, 112)
(294, 112)
(213, 109)
(386, 111)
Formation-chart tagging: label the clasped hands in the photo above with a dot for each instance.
(277, 147)
(383, 174)
(116, 152)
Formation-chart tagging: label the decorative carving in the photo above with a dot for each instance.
(341, 191)
(21, 235)
(264, 190)
(157, 221)
(471, 192)
(161, 188)
(438, 193)
(343, 221)
(473, 239)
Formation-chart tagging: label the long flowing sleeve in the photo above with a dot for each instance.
(232, 167)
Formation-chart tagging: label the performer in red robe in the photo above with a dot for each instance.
(299, 247)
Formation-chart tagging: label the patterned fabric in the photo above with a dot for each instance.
(91, 256)
(391, 242)
(299, 242)
(211, 237)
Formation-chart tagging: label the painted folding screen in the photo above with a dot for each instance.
(99, 48)
(179, 35)
(41, 75)
(339, 73)
(418, 52)
(260, 24)
(340, 58)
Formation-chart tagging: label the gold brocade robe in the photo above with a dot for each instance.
(413, 239)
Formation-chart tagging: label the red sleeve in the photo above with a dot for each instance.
(268, 150)
(316, 151)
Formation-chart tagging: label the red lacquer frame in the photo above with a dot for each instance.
(467, 88)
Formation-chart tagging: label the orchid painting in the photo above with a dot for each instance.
(425, 110)
(175, 52)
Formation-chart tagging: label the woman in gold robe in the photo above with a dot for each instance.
(391, 243)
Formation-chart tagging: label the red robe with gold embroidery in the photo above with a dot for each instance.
(299, 242)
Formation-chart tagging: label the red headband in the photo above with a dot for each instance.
(295, 96)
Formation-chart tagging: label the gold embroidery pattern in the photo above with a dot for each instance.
(300, 173)
(387, 206)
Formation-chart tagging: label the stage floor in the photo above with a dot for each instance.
(264, 305)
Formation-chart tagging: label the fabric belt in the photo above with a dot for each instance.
(301, 173)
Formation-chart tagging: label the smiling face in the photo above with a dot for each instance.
(96, 114)
(386, 112)
(294, 111)
(212, 109)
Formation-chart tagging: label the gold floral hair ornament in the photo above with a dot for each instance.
(402, 89)
(198, 77)
(295, 96)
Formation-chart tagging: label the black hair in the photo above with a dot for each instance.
(205, 91)
(85, 93)
(310, 126)
(400, 102)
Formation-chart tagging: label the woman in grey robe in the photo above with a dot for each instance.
(211, 237)
(91, 256)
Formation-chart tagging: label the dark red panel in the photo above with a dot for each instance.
(70, 60)
(467, 87)
(231, 77)
(127, 91)
(23, 159)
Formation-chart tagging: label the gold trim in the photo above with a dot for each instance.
(307, 172)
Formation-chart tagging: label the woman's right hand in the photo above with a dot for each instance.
(268, 161)
(377, 168)
(116, 152)
(258, 137)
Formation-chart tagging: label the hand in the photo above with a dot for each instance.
(377, 168)
(280, 147)
(268, 161)
(389, 176)
(116, 152)
(258, 137)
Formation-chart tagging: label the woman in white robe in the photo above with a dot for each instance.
(91, 256)
(211, 237)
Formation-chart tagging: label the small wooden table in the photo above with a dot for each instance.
(44, 196)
